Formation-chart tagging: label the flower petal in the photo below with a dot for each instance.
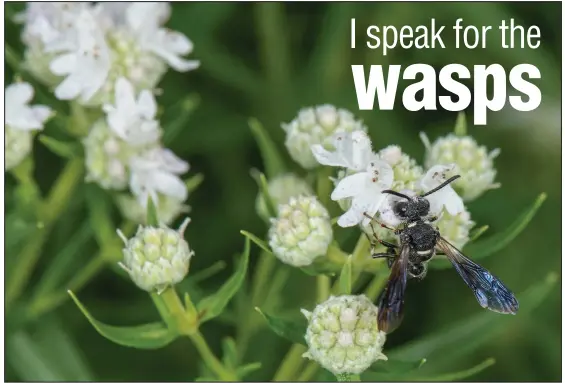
(146, 105)
(19, 94)
(350, 186)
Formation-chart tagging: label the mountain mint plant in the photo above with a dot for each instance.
(86, 89)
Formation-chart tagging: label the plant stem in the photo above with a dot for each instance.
(308, 373)
(210, 359)
(290, 364)
(175, 315)
(51, 208)
(324, 185)
(348, 377)
(323, 284)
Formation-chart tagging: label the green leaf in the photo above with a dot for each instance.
(259, 242)
(152, 217)
(291, 330)
(193, 182)
(182, 112)
(460, 125)
(147, 336)
(321, 266)
(465, 335)
(28, 361)
(59, 266)
(396, 366)
(488, 246)
(272, 159)
(456, 376)
(264, 190)
(60, 148)
(247, 369)
(68, 359)
(345, 278)
(478, 232)
(230, 353)
(100, 215)
(211, 306)
(206, 273)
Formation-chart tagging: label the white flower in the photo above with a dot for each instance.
(353, 151)
(456, 228)
(474, 163)
(343, 334)
(85, 63)
(144, 20)
(168, 208)
(19, 114)
(20, 120)
(157, 171)
(130, 119)
(281, 189)
(446, 196)
(314, 126)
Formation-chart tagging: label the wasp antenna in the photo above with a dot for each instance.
(396, 194)
(440, 186)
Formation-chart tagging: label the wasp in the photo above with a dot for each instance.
(419, 241)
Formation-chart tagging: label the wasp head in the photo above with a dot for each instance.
(412, 209)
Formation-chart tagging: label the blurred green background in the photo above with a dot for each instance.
(268, 60)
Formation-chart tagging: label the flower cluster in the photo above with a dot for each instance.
(20, 121)
(364, 174)
(343, 335)
(124, 149)
(83, 48)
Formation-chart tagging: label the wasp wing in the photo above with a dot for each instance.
(488, 289)
(391, 304)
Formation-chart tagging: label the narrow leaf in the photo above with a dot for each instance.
(57, 268)
(247, 369)
(208, 272)
(152, 217)
(211, 306)
(457, 376)
(147, 336)
(230, 353)
(460, 125)
(396, 366)
(345, 278)
(100, 215)
(264, 190)
(272, 159)
(193, 182)
(469, 333)
(60, 148)
(477, 233)
(259, 242)
(488, 246)
(182, 113)
(294, 331)
(27, 360)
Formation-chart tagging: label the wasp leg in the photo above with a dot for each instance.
(390, 255)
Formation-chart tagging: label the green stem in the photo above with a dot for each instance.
(324, 185)
(210, 359)
(308, 373)
(323, 284)
(50, 210)
(176, 316)
(377, 283)
(291, 363)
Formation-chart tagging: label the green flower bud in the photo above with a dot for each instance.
(317, 125)
(343, 336)
(455, 228)
(281, 189)
(301, 232)
(156, 258)
(472, 162)
(17, 146)
(168, 208)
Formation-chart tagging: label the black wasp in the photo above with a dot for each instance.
(419, 242)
